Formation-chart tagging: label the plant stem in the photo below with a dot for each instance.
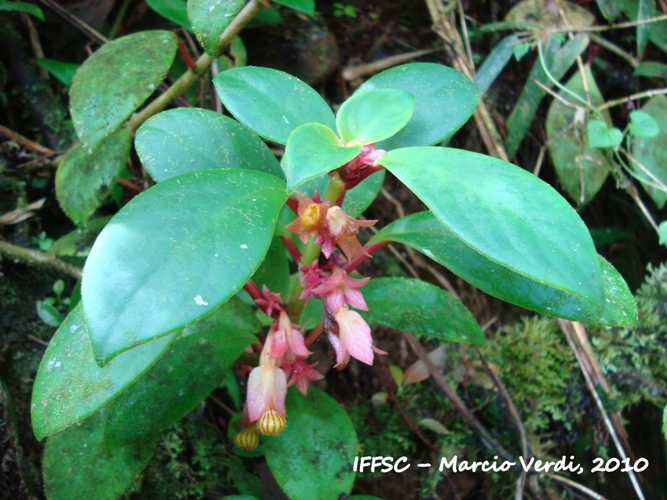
(639, 95)
(39, 259)
(119, 19)
(198, 70)
(615, 49)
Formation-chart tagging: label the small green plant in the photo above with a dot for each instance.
(344, 9)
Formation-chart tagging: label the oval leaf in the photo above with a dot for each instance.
(86, 175)
(420, 308)
(194, 366)
(643, 125)
(185, 140)
(312, 150)
(651, 153)
(271, 103)
(313, 457)
(620, 306)
(195, 240)
(601, 136)
(78, 243)
(70, 386)
(116, 80)
(209, 19)
(444, 100)
(77, 465)
(374, 115)
(174, 10)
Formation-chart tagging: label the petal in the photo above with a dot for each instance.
(258, 398)
(335, 300)
(355, 299)
(279, 391)
(341, 353)
(355, 335)
(297, 345)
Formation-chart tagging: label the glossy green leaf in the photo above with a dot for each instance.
(305, 6)
(558, 61)
(643, 125)
(70, 386)
(600, 135)
(28, 8)
(116, 80)
(174, 10)
(314, 455)
(195, 240)
(425, 233)
(494, 63)
(421, 308)
(651, 69)
(192, 368)
(620, 306)
(506, 214)
(271, 103)
(62, 71)
(77, 465)
(581, 168)
(651, 152)
(444, 100)
(374, 115)
(312, 150)
(274, 270)
(209, 18)
(79, 242)
(662, 232)
(520, 49)
(185, 140)
(48, 313)
(610, 8)
(87, 174)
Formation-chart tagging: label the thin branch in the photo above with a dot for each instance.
(350, 73)
(633, 61)
(39, 259)
(633, 97)
(577, 486)
(24, 142)
(628, 24)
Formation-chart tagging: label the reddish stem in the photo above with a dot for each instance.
(253, 290)
(341, 199)
(360, 175)
(314, 334)
(370, 250)
(186, 57)
(291, 248)
(293, 204)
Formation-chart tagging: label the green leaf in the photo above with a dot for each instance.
(421, 308)
(662, 232)
(520, 49)
(271, 103)
(644, 12)
(425, 233)
(69, 386)
(651, 153)
(506, 214)
(540, 11)
(610, 8)
(192, 368)
(116, 80)
(312, 150)
(274, 270)
(21, 7)
(444, 100)
(601, 136)
(185, 140)
(374, 115)
(79, 242)
(195, 240)
(581, 168)
(266, 17)
(87, 174)
(620, 306)
(305, 6)
(664, 423)
(643, 125)
(48, 313)
(62, 71)
(494, 63)
(174, 10)
(209, 19)
(77, 465)
(558, 61)
(313, 457)
(651, 69)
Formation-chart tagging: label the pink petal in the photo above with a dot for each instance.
(355, 299)
(341, 353)
(279, 344)
(267, 386)
(355, 335)
(335, 300)
(297, 344)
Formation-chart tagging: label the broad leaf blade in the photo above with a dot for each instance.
(174, 10)
(313, 457)
(374, 115)
(506, 214)
(305, 6)
(274, 270)
(494, 63)
(444, 100)
(70, 386)
(195, 240)
(581, 168)
(116, 80)
(185, 140)
(86, 175)
(62, 71)
(271, 103)
(77, 465)
(194, 365)
(312, 150)
(420, 308)
(209, 19)
(620, 306)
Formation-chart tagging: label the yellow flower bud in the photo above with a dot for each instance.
(271, 423)
(248, 438)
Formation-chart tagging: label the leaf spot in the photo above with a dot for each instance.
(199, 300)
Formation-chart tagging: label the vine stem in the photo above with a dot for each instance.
(199, 69)
(628, 24)
(40, 259)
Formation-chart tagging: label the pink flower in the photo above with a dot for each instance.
(267, 387)
(342, 231)
(339, 289)
(311, 277)
(354, 338)
(310, 217)
(367, 156)
(286, 338)
(270, 301)
(303, 374)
